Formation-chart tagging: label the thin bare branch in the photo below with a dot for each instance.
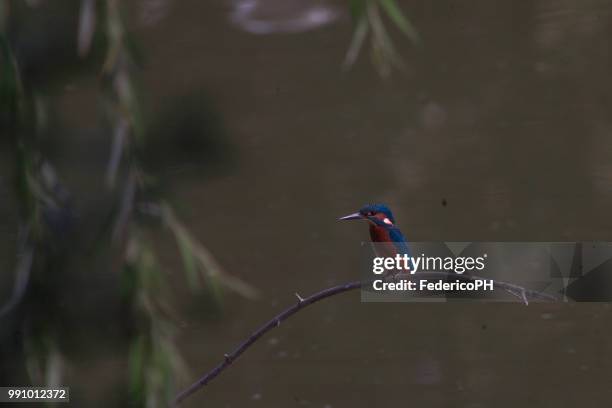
(271, 324)
(228, 359)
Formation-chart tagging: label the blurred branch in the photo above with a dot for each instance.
(520, 292)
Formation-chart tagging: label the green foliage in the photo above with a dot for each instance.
(198, 261)
(367, 18)
(21, 118)
(155, 363)
(401, 22)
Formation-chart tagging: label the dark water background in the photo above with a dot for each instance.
(503, 113)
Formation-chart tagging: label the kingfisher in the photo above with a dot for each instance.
(382, 229)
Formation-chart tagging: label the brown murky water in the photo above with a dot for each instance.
(503, 112)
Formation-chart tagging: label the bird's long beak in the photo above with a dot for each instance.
(354, 216)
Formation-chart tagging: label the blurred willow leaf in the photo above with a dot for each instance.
(189, 261)
(215, 288)
(136, 367)
(396, 15)
(43, 359)
(172, 367)
(11, 88)
(120, 136)
(367, 19)
(87, 26)
(124, 215)
(203, 259)
(361, 32)
(179, 366)
(150, 273)
(25, 258)
(383, 50)
(54, 368)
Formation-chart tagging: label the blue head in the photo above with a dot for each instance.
(377, 214)
(382, 227)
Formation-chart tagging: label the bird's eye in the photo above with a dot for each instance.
(370, 213)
